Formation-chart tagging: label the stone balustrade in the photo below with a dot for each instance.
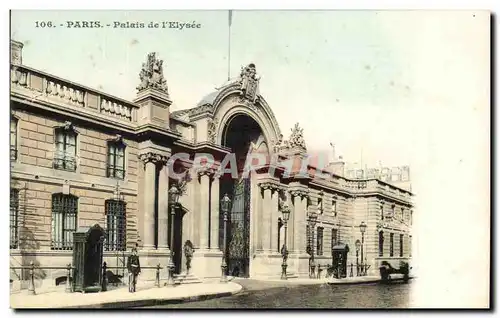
(40, 85)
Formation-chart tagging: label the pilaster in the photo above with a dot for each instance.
(266, 216)
(204, 208)
(214, 213)
(163, 210)
(150, 160)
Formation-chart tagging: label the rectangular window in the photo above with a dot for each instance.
(391, 247)
(334, 239)
(116, 160)
(380, 243)
(400, 245)
(393, 211)
(65, 156)
(320, 205)
(334, 207)
(409, 246)
(14, 215)
(13, 139)
(319, 242)
(116, 225)
(381, 211)
(64, 220)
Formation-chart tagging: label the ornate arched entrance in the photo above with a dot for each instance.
(242, 135)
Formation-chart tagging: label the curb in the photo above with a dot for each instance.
(151, 302)
(375, 281)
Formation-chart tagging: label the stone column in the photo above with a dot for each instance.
(163, 208)
(275, 214)
(214, 213)
(204, 208)
(299, 221)
(257, 223)
(150, 159)
(266, 217)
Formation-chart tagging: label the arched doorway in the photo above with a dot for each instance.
(242, 135)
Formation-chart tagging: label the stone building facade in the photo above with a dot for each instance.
(81, 157)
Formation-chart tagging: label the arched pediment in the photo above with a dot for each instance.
(239, 96)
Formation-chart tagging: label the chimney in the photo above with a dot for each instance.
(337, 166)
(16, 52)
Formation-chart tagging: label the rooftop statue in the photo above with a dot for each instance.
(151, 75)
(249, 82)
(297, 138)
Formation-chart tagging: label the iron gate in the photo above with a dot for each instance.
(239, 230)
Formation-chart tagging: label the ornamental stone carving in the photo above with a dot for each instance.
(205, 171)
(280, 144)
(269, 186)
(153, 157)
(249, 83)
(212, 129)
(299, 193)
(151, 75)
(296, 139)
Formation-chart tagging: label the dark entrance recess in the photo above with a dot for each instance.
(339, 261)
(179, 214)
(239, 132)
(87, 259)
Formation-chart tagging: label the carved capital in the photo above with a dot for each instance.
(204, 171)
(152, 157)
(266, 186)
(299, 193)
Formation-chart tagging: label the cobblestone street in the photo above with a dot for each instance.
(276, 294)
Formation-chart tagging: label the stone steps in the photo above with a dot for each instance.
(184, 278)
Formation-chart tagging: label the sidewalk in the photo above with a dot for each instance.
(146, 295)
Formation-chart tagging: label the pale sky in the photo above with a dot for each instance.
(370, 82)
(408, 87)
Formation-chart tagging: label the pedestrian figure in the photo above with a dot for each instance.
(134, 268)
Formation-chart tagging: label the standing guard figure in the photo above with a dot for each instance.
(134, 268)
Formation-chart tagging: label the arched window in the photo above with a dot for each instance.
(381, 243)
(64, 220)
(116, 226)
(14, 215)
(65, 155)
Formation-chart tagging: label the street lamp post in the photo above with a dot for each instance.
(362, 229)
(313, 217)
(225, 203)
(358, 246)
(284, 250)
(174, 198)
